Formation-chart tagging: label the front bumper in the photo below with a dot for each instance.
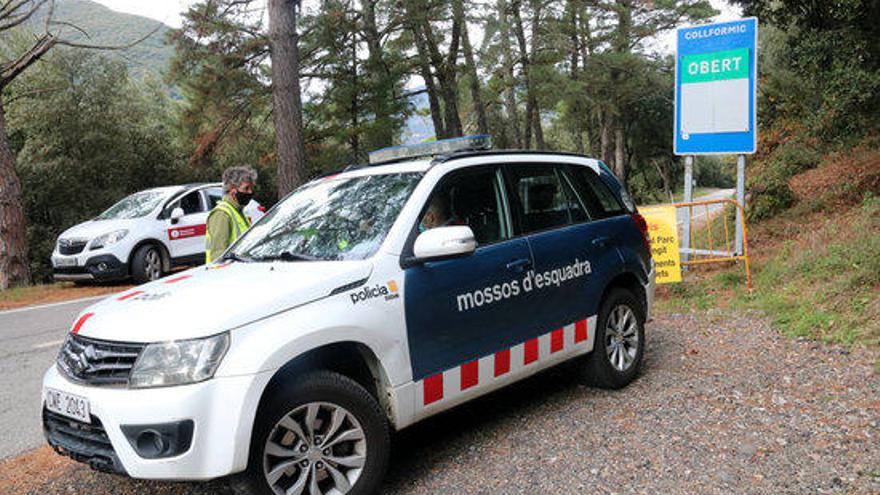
(222, 411)
(101, 267)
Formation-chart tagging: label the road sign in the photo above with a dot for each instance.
(715, 81)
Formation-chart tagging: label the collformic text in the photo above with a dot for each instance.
(531, 281)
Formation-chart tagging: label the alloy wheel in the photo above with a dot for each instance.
(621, 337)
(318, 448)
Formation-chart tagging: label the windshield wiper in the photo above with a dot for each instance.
(237, 257)
(289, 256)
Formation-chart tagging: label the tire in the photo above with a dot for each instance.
(291, 402)
(604, 367)
(147, 264)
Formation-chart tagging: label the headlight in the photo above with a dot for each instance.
(180, 362)
(108, 239)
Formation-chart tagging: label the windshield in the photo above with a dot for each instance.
(134, 206)
(336, 219)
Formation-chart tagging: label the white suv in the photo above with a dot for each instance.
(375, 298)
(142, 236)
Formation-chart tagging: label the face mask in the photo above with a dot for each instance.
(422, 227)
(243, 198)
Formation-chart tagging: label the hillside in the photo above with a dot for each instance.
(108, 27)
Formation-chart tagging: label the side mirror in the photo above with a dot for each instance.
(176, 215)
(444, 242)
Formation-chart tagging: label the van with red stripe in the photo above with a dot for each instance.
(376, 297)
(142, 237)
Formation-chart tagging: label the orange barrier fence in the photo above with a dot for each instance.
(711, 250)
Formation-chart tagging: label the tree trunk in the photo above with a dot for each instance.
(510, 77)
(286, 97)
(13, 226)
(518, 30)
(536, 109)
(471, 69)
(577, 107)
(428, 77)
(619, 152)
(376, 62)
(446, 75)
(605, 122)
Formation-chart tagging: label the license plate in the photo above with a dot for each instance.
(65, 262)
(72, 406)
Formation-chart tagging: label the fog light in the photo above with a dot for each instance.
(150, 444)
(160, 440)
(102, 266)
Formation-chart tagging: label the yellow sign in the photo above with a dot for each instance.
(663, 232)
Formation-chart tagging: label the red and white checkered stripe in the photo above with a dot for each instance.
(521, 359)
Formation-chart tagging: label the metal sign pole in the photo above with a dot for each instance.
(688, 197)
(741, 199)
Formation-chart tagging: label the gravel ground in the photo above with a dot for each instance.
(724, 405)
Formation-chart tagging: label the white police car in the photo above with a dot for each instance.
(364, 315)
(142, 236)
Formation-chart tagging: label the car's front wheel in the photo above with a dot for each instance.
(318, 433)
(146, 264)
(619, 344)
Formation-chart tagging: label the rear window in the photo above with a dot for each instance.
(545, 200)
(600, 201)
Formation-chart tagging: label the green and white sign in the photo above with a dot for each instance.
(715, 92)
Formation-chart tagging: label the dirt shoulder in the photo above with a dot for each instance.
(724, 405)
(21, 297)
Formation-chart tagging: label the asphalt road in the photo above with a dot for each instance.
(29, 342)
(702, 212)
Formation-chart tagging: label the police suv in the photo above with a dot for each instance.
(142, 236)
(377, 298)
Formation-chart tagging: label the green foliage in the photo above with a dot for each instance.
(86, 135)
(820, 66)
(769, 179)
(822, 285)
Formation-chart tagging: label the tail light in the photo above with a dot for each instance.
(643, 228)
(262, 208)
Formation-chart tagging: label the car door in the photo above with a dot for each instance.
(461, 309)
(574, 256)
(186, 237)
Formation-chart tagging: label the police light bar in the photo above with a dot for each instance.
(441, 147)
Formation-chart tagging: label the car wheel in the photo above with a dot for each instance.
(146, 265)
(321, 433)
(619, 344)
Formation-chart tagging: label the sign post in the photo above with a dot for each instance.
(715, 111)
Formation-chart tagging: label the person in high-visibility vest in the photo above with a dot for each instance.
(227, 221)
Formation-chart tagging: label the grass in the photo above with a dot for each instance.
(821, 282)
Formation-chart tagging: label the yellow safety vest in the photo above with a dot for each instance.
(240, 224)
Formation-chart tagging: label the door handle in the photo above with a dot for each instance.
(519, 265)
(601, 241)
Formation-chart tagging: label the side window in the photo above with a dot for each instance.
(473, 198)
(545, 200)
(191, 203)
(599, 199)
(213, 195)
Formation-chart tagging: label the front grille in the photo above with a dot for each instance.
(97, 362)
(71, 246)
(81, 442)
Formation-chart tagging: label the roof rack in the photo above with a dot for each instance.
(443, 146)
(470, 154)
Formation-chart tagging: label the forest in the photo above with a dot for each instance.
(589, 76)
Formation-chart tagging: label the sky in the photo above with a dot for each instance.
(168, 12)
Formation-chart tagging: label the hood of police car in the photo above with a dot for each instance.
(211, 299)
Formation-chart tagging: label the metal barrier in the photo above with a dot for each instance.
(712, 255)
